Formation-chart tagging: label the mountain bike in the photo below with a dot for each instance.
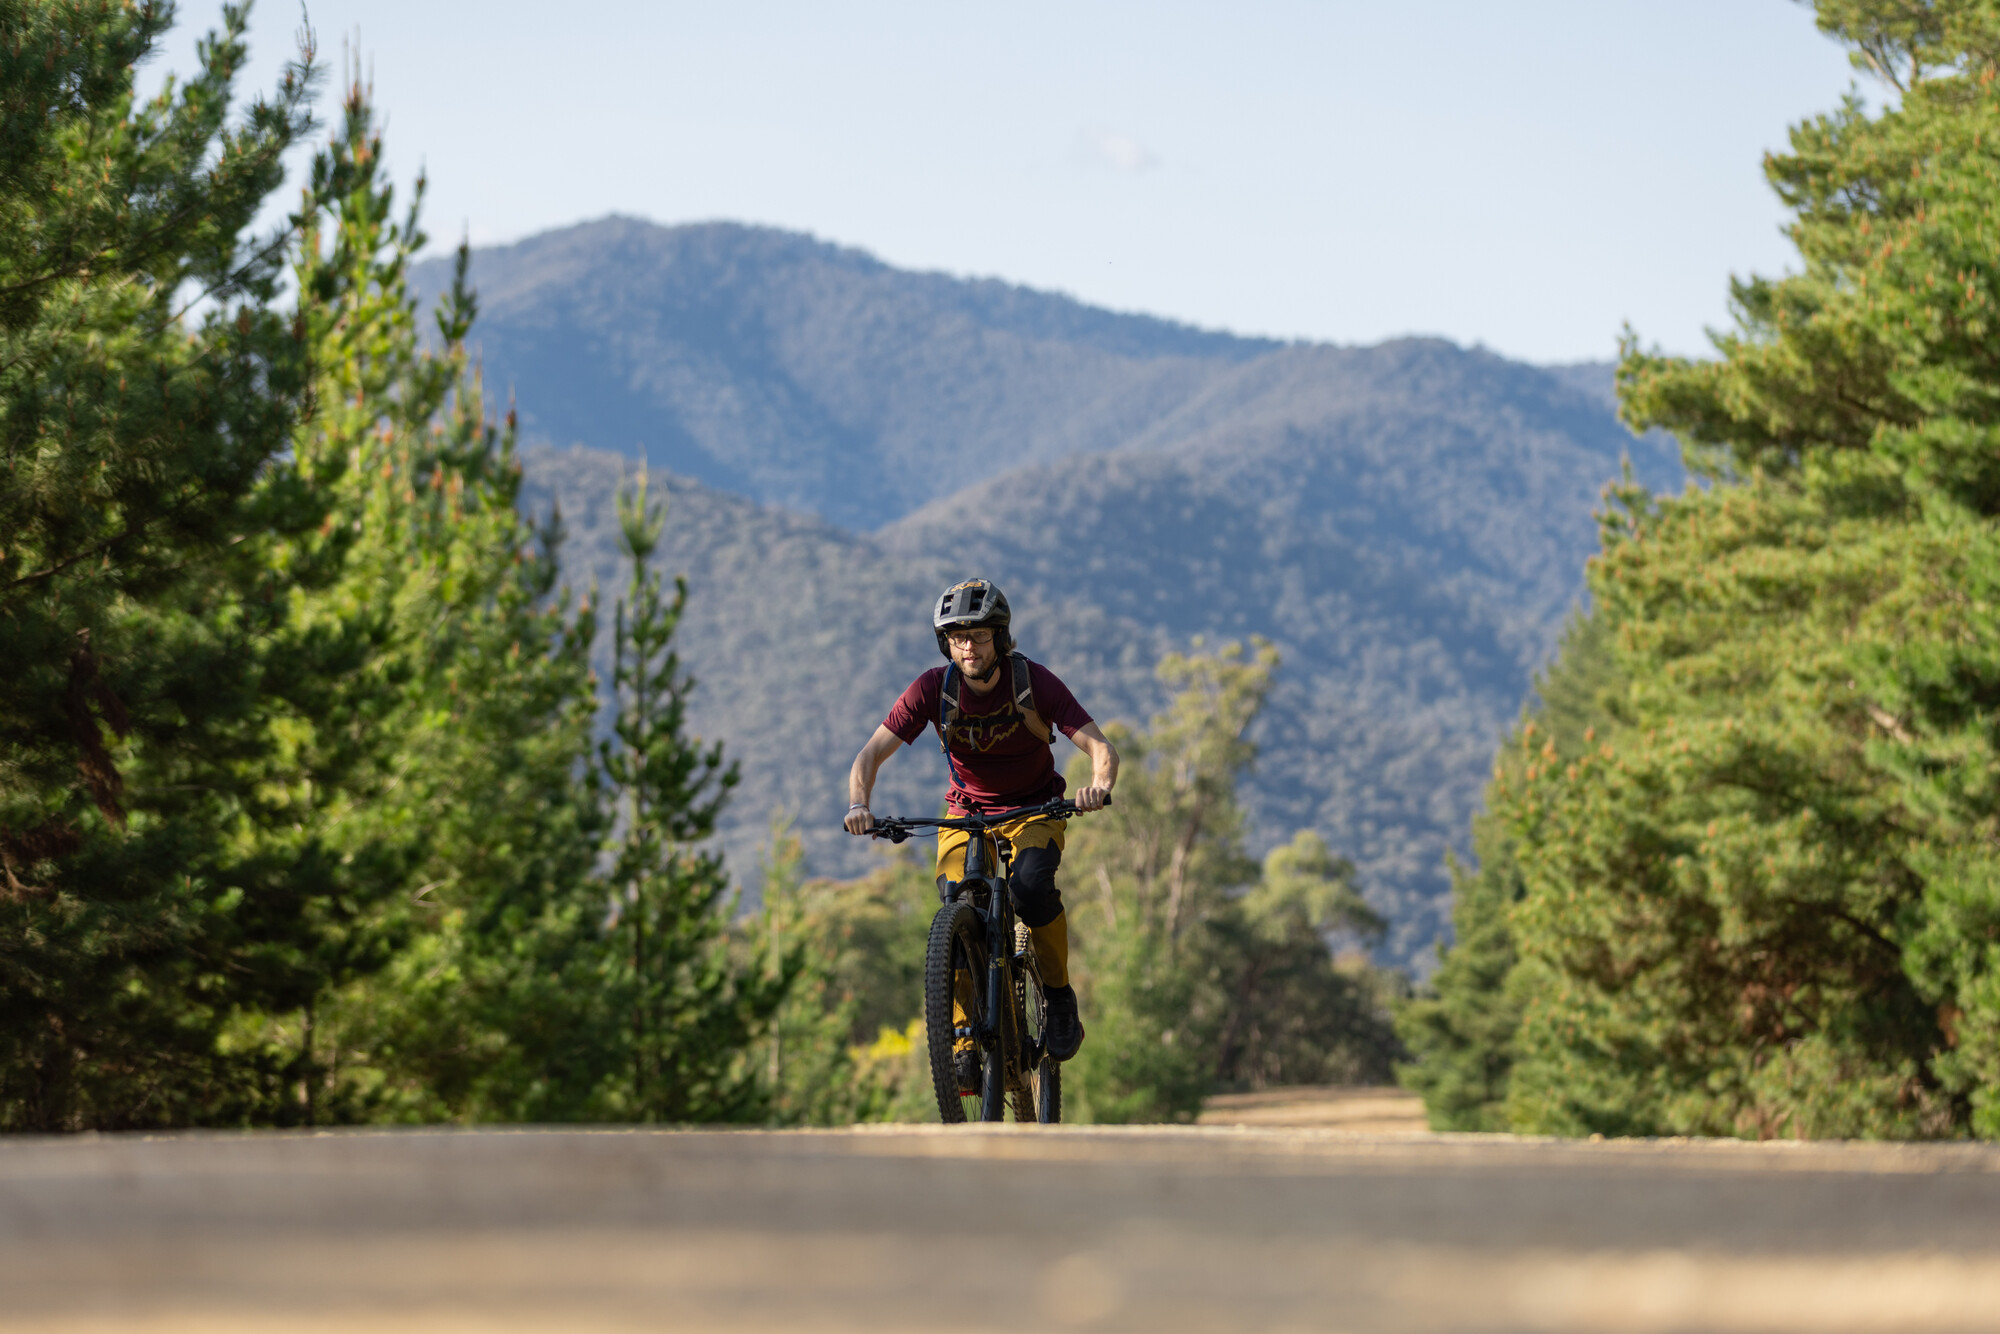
(975, 936)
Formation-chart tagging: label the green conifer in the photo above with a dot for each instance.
(690, 1013)
(1461, 1034)
(430, 771)
(1765, 906)
(148, 391)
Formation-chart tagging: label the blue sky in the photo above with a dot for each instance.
(1530, 175)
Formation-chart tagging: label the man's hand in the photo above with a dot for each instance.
(858, 820)
(1092, 798)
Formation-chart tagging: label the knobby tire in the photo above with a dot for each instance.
(956, 930)
(993, 1088)
(1039, 1096)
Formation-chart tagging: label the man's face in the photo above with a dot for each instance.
(974, 651)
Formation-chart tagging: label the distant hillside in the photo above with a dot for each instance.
(802, 374)
(1408, 522)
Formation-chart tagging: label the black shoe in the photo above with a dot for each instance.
(965, 1063)
(1062, 1031)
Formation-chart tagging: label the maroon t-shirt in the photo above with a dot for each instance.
(997, 762)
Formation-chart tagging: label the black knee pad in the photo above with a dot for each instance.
(1037, 901)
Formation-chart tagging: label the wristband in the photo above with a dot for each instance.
(858, 806)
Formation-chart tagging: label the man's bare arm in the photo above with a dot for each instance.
(1091, 740)
(861, 778)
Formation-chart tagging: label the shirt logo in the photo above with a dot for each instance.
(979, 736)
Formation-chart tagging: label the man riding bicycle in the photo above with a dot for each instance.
(994, 711)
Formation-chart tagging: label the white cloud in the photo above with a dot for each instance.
(1102, 146)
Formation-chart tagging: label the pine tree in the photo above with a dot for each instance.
(690, 1013)
(1766, 906)
(356, 718)
(144, 462)
(1461, 1035)
(429, 773)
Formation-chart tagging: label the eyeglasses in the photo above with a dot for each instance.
(960, 638)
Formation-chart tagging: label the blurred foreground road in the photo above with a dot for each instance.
(1003, 1228)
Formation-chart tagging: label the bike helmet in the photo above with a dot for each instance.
(975, 604)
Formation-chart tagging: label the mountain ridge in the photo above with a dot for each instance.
(808, 374)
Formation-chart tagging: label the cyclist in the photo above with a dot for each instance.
(994, 710)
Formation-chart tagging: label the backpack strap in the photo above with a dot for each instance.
(948, 713)
(948, 709)
(1024, 694)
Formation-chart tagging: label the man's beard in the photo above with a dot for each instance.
(992, 670)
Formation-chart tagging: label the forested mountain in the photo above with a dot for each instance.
(778, 367)
(1408, 522)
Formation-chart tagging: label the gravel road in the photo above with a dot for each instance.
(990, 1228)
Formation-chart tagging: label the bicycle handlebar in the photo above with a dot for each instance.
(898, 828)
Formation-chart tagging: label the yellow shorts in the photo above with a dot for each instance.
(1027, 832)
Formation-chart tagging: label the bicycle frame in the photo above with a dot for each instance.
(1001, 1032)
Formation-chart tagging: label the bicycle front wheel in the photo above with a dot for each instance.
(954, 999)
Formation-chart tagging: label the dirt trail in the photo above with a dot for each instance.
(1015, 1228)
(1365, 1111)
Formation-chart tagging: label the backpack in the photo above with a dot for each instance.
(1023, 699)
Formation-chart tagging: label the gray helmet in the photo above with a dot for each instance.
(976, 604)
